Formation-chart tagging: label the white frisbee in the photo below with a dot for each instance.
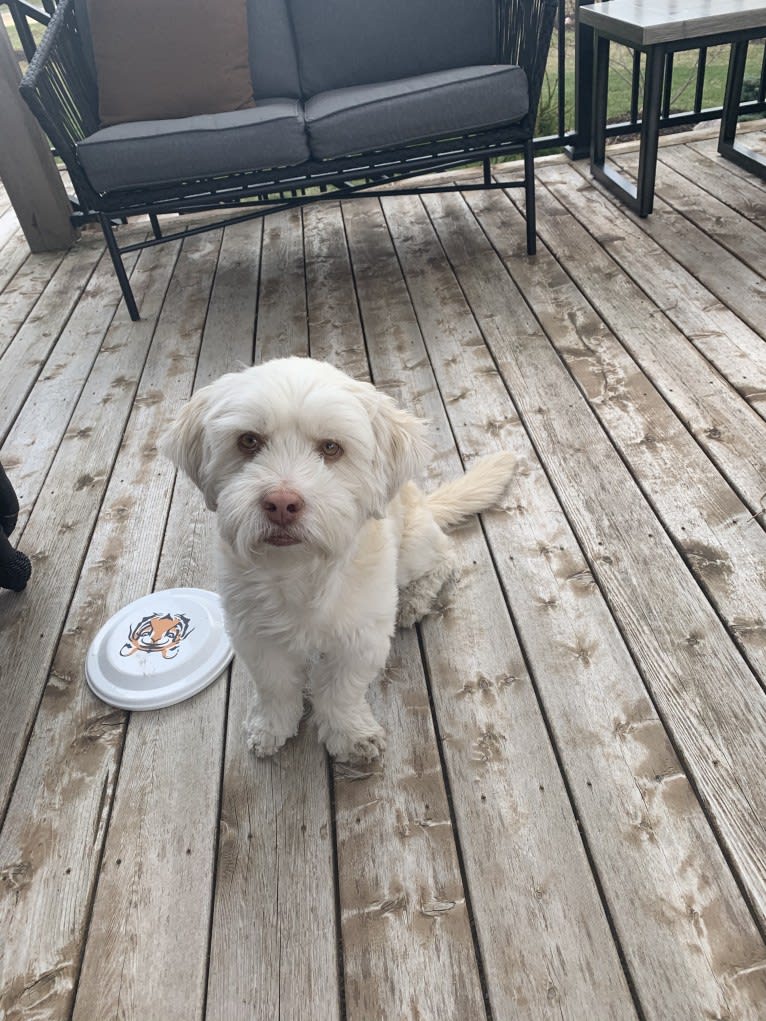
(159, 650)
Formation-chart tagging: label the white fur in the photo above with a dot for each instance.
(321, 612)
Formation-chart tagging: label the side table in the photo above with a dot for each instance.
(656, 28)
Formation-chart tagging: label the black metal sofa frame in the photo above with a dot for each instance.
(61, 90)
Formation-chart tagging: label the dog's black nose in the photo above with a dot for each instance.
(282, 506)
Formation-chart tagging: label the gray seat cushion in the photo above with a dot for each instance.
(271, 134)
(357, 42)
(366, 117)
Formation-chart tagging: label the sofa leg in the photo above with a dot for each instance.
(119, 268)
(529, 195)
(156, 229)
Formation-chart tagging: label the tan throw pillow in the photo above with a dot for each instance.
(169, 58)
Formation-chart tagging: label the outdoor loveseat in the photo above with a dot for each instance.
(314, 99)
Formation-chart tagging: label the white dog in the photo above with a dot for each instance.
(322, 536)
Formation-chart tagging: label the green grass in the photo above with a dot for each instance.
(621, 69)
(13, 35)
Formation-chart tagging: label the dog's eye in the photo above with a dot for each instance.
(249, 443)
(330, 450)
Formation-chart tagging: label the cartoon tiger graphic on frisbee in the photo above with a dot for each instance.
(161, 633)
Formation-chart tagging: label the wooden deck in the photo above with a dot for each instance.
(570, 818)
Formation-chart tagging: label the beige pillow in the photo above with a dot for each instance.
(169, 58)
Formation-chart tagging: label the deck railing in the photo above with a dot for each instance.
(689, 80)
(564, 117)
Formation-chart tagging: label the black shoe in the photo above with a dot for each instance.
(9, 504)
(15, 566)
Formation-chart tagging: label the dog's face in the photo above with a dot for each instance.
(294, 453)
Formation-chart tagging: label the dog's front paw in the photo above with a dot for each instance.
(263, 739)
(345, 747)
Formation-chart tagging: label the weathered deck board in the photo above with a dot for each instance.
(134, 960)
(405, 913)
(658, 981)
(735, 229)
(59, 385)
(486, 708)
(568, 821)
(273, 944)
(737, 352)
(23, 284)
(723, 273)
(13, 255)
(29, 349)
(744, 194)
(85, 753)
(731, 433)
(711, 701)
(59, 528)
(710, 525)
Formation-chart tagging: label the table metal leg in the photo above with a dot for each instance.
(638, 197)
(728, 147)
(600, 99)
(650, 130)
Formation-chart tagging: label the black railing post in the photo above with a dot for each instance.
(22, 28)
(583, 100)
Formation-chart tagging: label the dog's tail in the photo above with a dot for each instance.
(482, 487)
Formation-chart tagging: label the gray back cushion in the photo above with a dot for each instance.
(356, 42)
(273, 65)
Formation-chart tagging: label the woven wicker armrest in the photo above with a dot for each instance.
(60, 89)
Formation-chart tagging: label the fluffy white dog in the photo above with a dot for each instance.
(322, 536)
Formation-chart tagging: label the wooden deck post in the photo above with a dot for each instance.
(27, 168)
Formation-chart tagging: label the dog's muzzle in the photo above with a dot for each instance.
(282, 508)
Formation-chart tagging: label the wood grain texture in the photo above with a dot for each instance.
(58, 531)
(406, 931)
(273, 946)
(593, 722)
(544, 940)
(23, 290)
(58, 387)
(281, 327)
(746, 195)
(148, 934)
(694, 238)
(34, 341)
(737, 352)
(56, 824)
(8, 223)
(730, 432)
(13, 255)
(708, 147)
(732, 229)
(706, 695)
(715, 531)
(737, 286)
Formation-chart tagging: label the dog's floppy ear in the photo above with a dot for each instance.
(184, 442)
(402, 449)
